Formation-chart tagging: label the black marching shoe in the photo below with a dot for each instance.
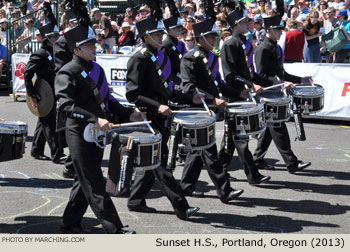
(60, 160)
(142, 209)
(40, 156)
(231, 196)
(301, 166)
(259, 180)
(74, 229)
(184, 215)
(195, 194)
(68, 173)
(265, 166)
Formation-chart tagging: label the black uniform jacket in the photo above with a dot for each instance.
(144, 86)
(167, 46)
(76, 100)
(40, 63)
(194, 74)
(233, 58)
(61, 52)
(269, 62)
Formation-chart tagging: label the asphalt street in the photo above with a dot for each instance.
(33, 193)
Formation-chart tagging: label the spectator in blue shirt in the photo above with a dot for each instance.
(3, 57)
(303, 9)
(341, 55)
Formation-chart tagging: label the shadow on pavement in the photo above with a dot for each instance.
(36, 183)
(45, 225)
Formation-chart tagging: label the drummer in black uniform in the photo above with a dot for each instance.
(235, 64)
(62, 55)
(83, 97)
(200, 69)
(41, 63)
(149, 86)
(174, 47)
(269, 64)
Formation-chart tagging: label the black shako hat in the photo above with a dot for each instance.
(48, 30)
(70, 16)
(148, 26)
(172, 22)
(79, 35)
(204, 28)
(274, 22)
(235, 17)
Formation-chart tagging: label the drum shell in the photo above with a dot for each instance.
(313, 96)
(200, 129)
(146, 147)
(253, 117)
(11, 146)
(276, 106)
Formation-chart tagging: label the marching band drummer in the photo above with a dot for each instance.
(174, 47)
(149, 85)
(83, 97)
(41, 63)
(235, 63)
(62, 55)
(268, 60)
(200, 69)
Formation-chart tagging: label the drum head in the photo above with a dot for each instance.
(308, 91)
(195, 120)
(273, 96)
(242, 108)
(139, 134)
(13, 126)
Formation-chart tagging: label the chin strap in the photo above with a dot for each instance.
(159, 45)
(87, 52)
(208, 44)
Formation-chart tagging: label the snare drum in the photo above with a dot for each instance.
(246, 118)
(12, 139)
(146, 146)
(309, 98)
(276, 105)
(197, 130)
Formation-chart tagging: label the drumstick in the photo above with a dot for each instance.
(238, 104)
(188, 111)
(204, 104)
(129, 144)
(129, 124)
(274, 86)
(144, 119)
(126, 124)
(250, 94)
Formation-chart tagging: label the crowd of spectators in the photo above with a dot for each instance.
(305, 23)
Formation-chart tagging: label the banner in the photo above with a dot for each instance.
(19, 62)
(335, 79)
(115, 69)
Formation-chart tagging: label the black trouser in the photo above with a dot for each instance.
(143, 182)
(228, 145)
(281, 138)
(193, 166)
(89, 185)
(45, 131)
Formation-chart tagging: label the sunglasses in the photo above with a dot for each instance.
(188, 40)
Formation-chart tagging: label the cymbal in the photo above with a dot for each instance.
(46, 98)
